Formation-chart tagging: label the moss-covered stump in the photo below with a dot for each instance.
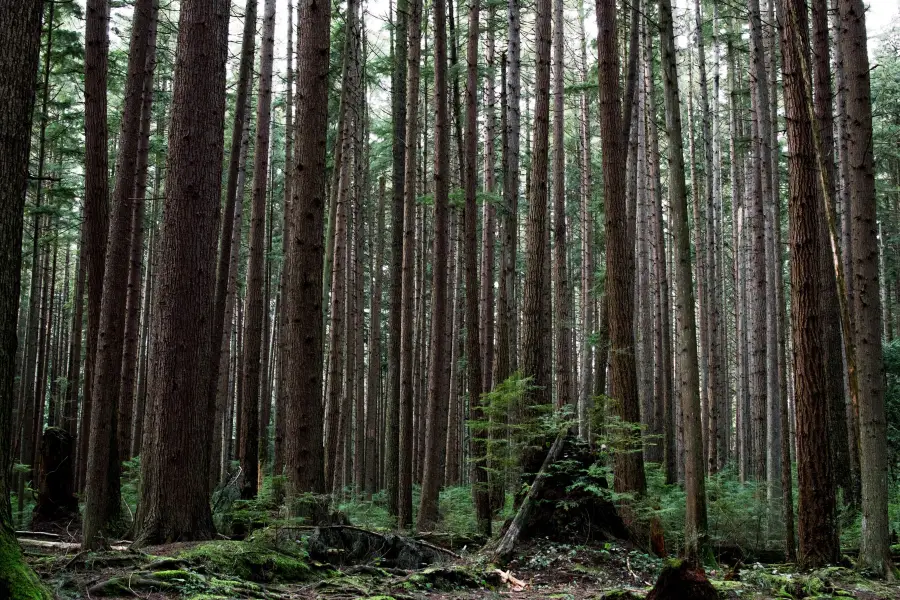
(17, 580)
(57, 504)
(680, 580)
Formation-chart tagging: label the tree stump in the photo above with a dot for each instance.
(56, 503)
(681, 580)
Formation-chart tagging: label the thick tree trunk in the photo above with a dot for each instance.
(174, 502)
(302, 334)
(816, 514)
(20, 28)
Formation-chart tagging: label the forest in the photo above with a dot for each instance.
(407, 299)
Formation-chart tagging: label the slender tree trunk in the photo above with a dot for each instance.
(565, 374)
(102, 489)
(374, 381)
(588, 296)
(874, 552)
(399, 122)
(223, 263)
(506, 291)
(689, 384)
(96, 196)
(254, 322)
(438, 373)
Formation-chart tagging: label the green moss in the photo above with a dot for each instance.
(17, 580)
(248, 560)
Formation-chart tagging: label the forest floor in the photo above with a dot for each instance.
(264, 567)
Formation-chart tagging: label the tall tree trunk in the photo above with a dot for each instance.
(629, 466)
(96, 195)
(136, 253)
(874, 551)
(438, 373)
(816, 515)
(506, 291)
(565, 374)
(586, 375)
(254, 322)
(20, 28)
(302, 334)
(174, 501)
(102, 489)
(405, 464)
(758, 201)
(374, 393)
(689, 381)
(220, 456)
(478, 447)
(399, 123)
(235, 162)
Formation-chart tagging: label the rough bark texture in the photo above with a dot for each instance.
(689, 379)
(439, 372)
(96, 195)
(20, 28)
(254, 303)
(398, 151)
(302, 333)
(816, 514)
(405, 456)
(506, 291)
(136, 254)
(236, 159)
(874, 552)
(174, 492)
(478, 447)
(102, 489)
(562, 292)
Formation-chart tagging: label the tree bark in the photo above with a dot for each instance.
(254, 311)
(689, 383)
(20, 28)
(438, 372)
(816, 514)
(874, 552)
(174, 502)
(102, 490)
(96, 196)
